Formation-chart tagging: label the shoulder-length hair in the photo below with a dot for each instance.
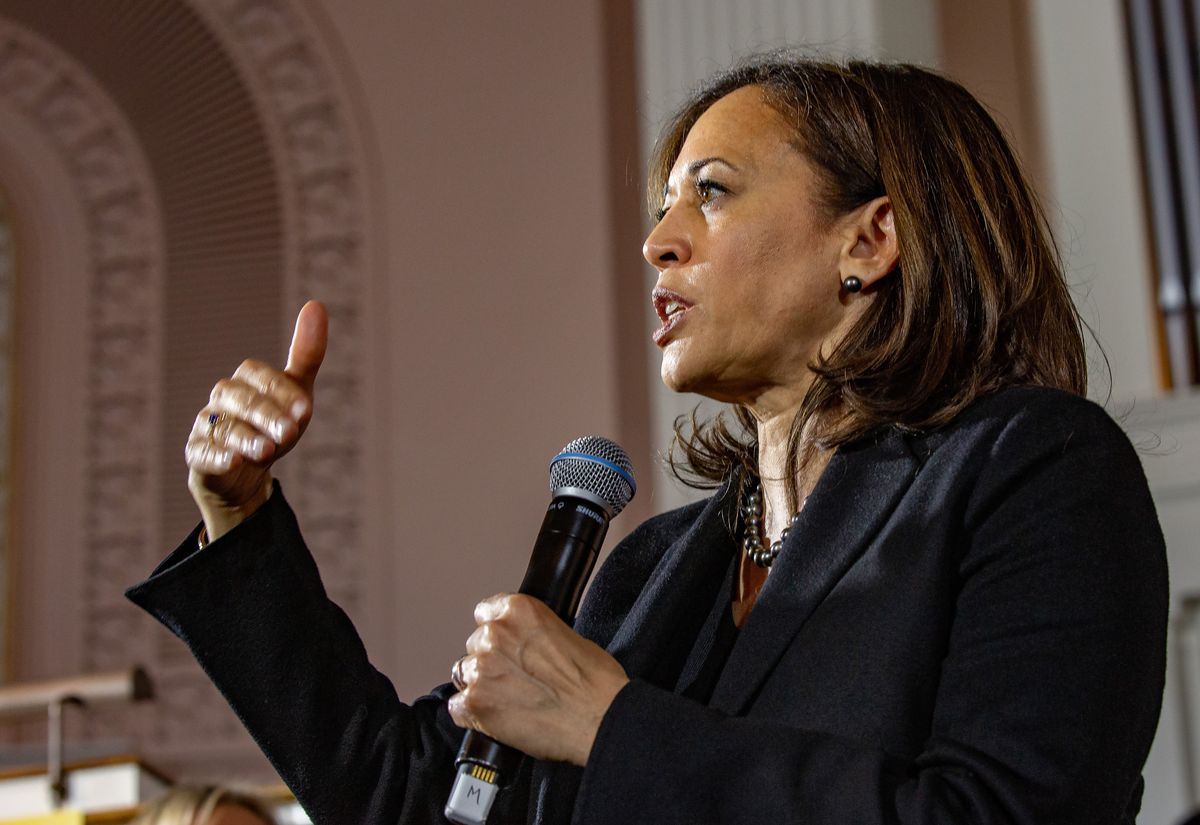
(978, 300)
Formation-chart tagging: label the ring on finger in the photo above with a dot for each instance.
(213, 420)
(456, 675)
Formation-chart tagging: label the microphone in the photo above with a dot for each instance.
(591, 480)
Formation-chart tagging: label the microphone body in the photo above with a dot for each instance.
(564, 554)
(591, 481)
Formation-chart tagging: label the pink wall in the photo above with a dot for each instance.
(503, 299)
(496, 319)
(988, 47)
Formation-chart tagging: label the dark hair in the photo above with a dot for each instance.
(978, 301)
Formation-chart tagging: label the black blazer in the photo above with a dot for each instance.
(968, 626)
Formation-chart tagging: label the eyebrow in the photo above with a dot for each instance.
(696, 165)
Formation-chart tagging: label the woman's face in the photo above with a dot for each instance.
(748, 287)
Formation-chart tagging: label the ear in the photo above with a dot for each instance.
(870, 249)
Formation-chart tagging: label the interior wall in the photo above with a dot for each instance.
(488, 337)
(496, 299)
(987, 46)
(50, 389)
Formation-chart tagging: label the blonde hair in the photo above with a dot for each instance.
(194, 804)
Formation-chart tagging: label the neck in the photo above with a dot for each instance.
(774, 433)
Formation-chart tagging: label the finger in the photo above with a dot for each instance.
(475, 640)
(456, 675)
(468, 705)
(228, 435)
(490, 637)
(291, 398)
(469, 670)
(209, 458)
(241, 400)
(494, 607)
(458, 711)
(240, 437)
(308, 344)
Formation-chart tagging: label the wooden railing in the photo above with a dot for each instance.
(52, 697)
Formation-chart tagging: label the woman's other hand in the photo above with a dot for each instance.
(252, 419)
(534, 683)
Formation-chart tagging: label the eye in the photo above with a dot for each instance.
(707, 190)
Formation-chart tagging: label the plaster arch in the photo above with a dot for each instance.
(41, 199)
(211, 162)
(88, 345)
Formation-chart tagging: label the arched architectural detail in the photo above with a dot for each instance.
(224, 158)
(279, 51)
(7, 354)
(113, 189)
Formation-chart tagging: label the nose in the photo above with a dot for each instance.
(667, 244)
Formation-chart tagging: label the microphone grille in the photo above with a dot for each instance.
(597, 467)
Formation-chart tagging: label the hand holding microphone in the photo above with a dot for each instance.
(529, 680)
(534, 683)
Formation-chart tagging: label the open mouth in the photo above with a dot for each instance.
(671, 307)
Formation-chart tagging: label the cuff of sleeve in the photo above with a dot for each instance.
(259, 530)
(643, 755)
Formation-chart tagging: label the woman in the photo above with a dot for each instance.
(930, 585)
(204, 805)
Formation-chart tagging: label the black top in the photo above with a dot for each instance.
(714, 644)
(969, 627)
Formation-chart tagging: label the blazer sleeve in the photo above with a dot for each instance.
(1049, 692)
(252, 609)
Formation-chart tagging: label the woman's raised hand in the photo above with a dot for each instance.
(252, 419)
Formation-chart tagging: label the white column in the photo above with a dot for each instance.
(1095, 196)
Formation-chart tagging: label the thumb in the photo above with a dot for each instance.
(308, 344)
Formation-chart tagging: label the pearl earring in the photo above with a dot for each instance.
(852, 284)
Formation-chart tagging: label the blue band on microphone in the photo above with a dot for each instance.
(597, 460)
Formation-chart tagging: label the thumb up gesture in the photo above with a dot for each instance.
(252, 419)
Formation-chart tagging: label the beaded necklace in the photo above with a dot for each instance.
(752, 539)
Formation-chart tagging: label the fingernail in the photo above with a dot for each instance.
(278, 427)
(258, 446)
(299, 409)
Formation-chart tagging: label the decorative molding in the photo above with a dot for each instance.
(115, 193)
(320, 164)
(317, 168)
(8, 266)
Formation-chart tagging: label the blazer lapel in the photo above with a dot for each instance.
(654, 640)
(854, 498)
